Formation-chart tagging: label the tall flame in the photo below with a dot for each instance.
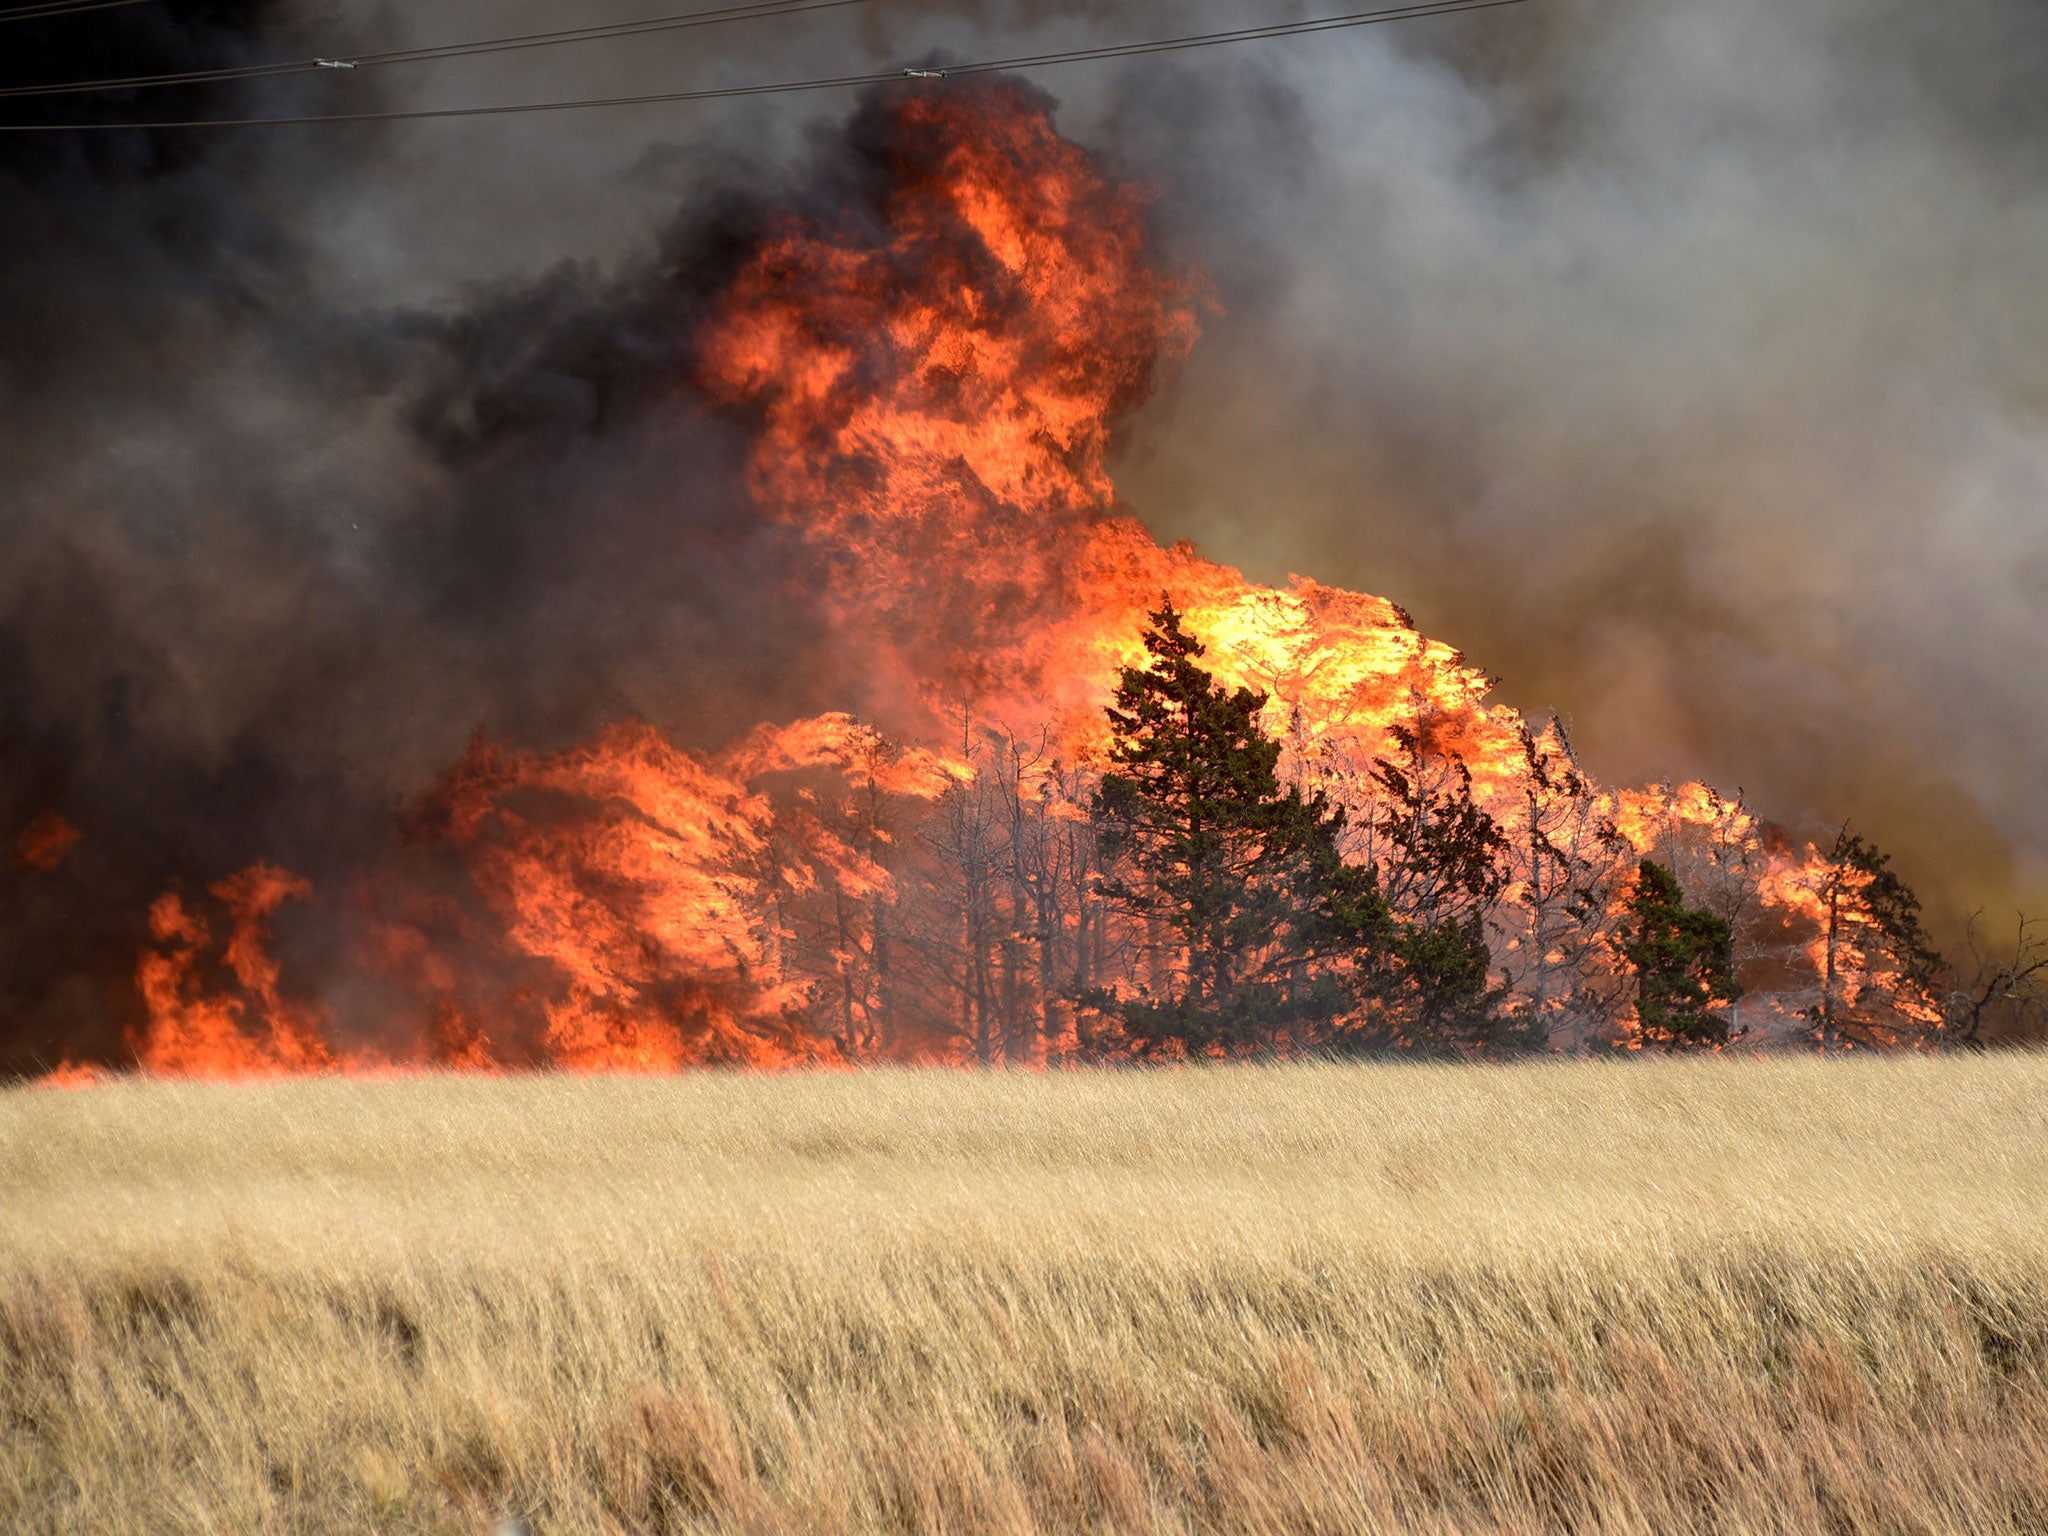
(936, 378)
(241, 1025)
(933, 370)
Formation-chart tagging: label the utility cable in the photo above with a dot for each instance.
(833, 82)
(64, 8)
(599, 33)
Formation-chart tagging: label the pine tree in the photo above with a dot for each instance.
(1683, 962)
(1566, 864)
(1879, 969)
(1202, 841)
(1442, 870)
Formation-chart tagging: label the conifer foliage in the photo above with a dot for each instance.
(1442, 871)
(1238, 877)
(1219, 910)
(1683, 962)
(1871, 930)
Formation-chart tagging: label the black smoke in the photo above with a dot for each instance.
(271, 558)
(1683, 363)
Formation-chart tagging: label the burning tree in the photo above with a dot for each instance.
(1056, 940)
(1715, 848)
(1878, 970)
(1440, 860)
(1683, 960)
(245, 1029)
(999, 925)
(1565, 863)
(1232, 873)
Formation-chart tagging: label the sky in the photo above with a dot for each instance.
(1682, 361)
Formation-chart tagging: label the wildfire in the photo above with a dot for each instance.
(932, 371)
(46, 842)
(647, 882)
(239, 1026)
(935, 380)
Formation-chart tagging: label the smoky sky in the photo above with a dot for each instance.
(1683, 362)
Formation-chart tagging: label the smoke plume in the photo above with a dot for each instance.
(1682, 363)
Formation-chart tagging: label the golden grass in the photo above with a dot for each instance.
(1764, 1296)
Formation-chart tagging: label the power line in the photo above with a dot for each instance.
(63, 8)
(599, 33)
(1239, 35)
(833, 82)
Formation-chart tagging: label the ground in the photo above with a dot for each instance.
(1656, 1297)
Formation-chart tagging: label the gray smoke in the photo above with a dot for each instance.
(1682, 361)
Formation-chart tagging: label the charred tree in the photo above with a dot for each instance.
(1566, 865)
(1879, 972)
(2000, 992)
(1440, 859)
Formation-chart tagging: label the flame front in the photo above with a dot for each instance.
(933, 370)
(241, 1026)
(935, 378)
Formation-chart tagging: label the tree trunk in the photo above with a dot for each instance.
(1827, 987)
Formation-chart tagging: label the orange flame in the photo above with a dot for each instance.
(240, 1030)
(934, 383)
(645, 879)
(46, 842)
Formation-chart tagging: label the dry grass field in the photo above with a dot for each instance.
(1762, 1296)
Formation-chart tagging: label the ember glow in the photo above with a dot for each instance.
(46, 842)
(932, 378)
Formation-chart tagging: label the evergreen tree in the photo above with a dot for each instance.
(1202, 841)
(1683, 962)
(1879, 969)
(1566, 864)
(1442, 864)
